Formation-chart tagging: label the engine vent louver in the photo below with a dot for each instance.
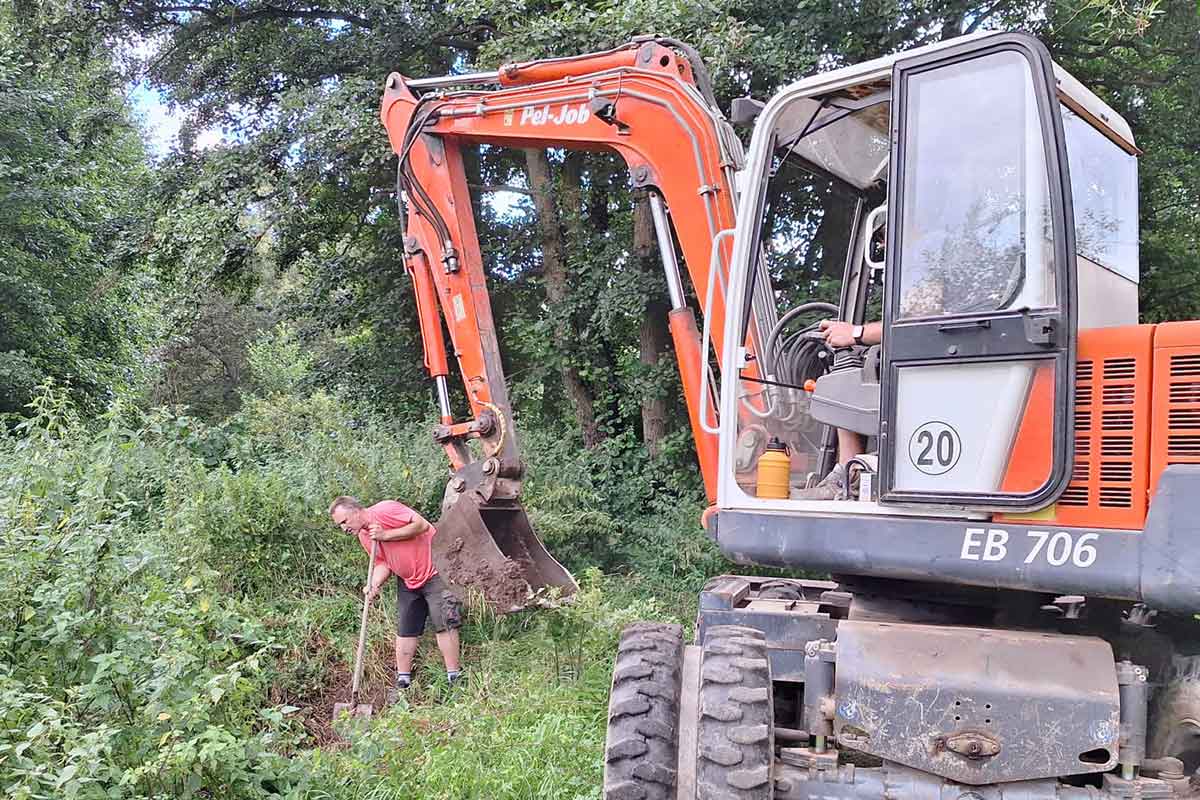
(1118, 395)
(1115, 497)
(1185, 366)
(1105, 393)
(1117, 446)
(1183, 410)
(1185, 445)
(1074, 496)
(1078, 491)
(1119, 369)
(1118, 420)
(1112, 394)
(1184, 393)
(1116, 473)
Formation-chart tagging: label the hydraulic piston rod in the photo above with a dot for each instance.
(666, 249)
(446, 81)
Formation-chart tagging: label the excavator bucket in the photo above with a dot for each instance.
(491, 550)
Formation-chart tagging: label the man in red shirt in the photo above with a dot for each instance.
(405, 550)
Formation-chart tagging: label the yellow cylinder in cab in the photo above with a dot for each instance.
(774, 466)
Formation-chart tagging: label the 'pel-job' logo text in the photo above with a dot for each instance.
(566, 115)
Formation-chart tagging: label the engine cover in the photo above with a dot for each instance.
(976, 705)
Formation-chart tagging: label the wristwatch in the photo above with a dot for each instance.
(857, 333)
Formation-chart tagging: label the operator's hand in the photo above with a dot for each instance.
(370, 592)
(838, 334)
(374, 529)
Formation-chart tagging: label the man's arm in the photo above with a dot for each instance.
(379, 577)
(841, 334)
(412, 529)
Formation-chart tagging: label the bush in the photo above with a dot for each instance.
(128, 671)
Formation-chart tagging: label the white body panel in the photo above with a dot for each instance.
(984, 425)
(1106, 299)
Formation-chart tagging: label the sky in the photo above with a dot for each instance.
(162, 123)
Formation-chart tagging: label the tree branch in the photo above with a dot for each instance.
(236, 16)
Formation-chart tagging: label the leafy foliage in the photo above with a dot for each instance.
(175, 598)
(76, 302)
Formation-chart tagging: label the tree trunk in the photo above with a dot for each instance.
(653, 335)
(554, 271)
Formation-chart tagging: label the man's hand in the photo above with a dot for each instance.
(375, 529)
(838, 334)
(370, 592)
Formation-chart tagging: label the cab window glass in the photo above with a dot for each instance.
(976, 226)
(1104, 194)
(807, 227)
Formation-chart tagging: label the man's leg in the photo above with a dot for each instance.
(447, 642)
(835, 485)
(410, 624)
(406, 648)
(446, 614)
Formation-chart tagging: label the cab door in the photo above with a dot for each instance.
(979, 319)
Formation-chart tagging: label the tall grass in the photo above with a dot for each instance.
(176, 611)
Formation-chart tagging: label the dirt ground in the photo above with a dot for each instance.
(316, 704)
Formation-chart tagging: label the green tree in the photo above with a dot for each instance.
(76, 304)
(296, 211)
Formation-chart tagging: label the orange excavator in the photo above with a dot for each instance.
(1010, 479)
(651, 102)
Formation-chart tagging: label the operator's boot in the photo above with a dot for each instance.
(833, 486)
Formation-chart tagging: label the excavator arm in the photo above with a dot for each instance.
(650, 102)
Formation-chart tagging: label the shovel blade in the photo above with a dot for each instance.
(347, 715)
(492, 550)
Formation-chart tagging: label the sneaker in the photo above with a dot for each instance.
(832, 487)
(456, 678)
(398, 688)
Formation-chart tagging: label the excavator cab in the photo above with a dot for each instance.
(930, 192)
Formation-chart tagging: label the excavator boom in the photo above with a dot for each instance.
(650, 102)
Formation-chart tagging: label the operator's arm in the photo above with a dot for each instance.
(841, 334)
(412, 529)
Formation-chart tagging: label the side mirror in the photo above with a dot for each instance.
(744, 110)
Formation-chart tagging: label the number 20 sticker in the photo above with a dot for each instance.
(934, 448)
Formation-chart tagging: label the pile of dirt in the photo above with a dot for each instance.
(470, 568)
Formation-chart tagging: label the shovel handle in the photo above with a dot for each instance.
(362, 628)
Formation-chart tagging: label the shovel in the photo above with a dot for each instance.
(355, 709)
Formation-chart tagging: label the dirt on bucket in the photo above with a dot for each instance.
(490, 550)
(501, 582)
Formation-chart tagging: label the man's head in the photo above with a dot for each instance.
(348, 514)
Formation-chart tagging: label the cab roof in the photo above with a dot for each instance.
(1071, 92)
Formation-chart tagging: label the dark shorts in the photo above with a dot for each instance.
(434, 600)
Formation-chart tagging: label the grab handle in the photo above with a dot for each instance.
(707, 378)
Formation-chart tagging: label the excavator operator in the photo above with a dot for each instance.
(850, 444)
